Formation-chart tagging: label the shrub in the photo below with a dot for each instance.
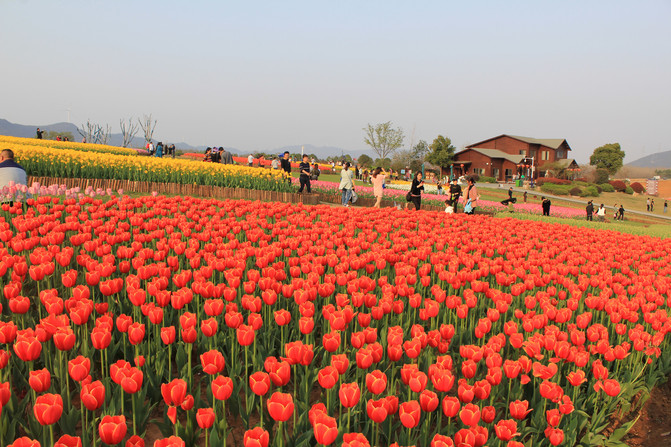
(629, 190)
(560, 190)
(619, 185)
(590, 191)
(601, 176)
(555, 181)
(637, 187)
(599, 189)
(575, 191)
(606, 187)
(487, 180)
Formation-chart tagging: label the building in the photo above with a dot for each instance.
(508, 156)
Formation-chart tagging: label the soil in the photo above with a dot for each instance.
(653, 428)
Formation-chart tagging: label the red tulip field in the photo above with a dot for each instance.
(267, 324)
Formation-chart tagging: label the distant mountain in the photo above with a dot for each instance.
(660, 160)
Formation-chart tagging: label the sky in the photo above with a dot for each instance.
(259, 75)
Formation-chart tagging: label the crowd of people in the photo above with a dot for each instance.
(160, 150)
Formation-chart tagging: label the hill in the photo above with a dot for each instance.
(660, 160)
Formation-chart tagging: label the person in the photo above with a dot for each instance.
(545, 203)
(286, 165)
(315, 172)
(665, 206)
(83, 139)
(11, 171)
(39, 133)
(159, 150)
(378, 178)
(172, 150)
(275, 164)
(216, 156)
(616, 211)
(208, 154)
(151, 148)
(620, 212)
(58, 138)
(346, 183)
(439, 187)
(601, 213)
(226, 157)
(652, 205)
(471, 196)
(524, 196)
(304, 177)
(250, 160)
(357, 173)
(590, 210)
(455, 193)
(647, 204)
(415, 194)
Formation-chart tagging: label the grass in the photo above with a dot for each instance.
(636, 228)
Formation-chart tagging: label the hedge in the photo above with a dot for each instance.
(606, 187)
(637, 187)
(619, 185)
(560, 190)
(555, 181)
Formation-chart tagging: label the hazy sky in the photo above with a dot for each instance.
(260, 75)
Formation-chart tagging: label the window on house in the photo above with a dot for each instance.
(545, 155)
(523, 152)
(560, 153)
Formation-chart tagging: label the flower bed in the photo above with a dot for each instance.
(318, 324)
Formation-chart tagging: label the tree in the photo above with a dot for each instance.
(609, 157)
(365, 160)
(601, 176)
(384, 163)
(442, 152)
(401, 160)
(148, 125)
(383, 139)
(128, 131)
(95, 133)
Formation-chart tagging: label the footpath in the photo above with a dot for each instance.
(504, 188)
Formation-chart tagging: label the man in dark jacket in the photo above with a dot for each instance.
(286, 165)
(590, 210)
(546, 206)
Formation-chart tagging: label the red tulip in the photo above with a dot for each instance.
(325, 429)
(328, 377)
(519, 409)
(213, 362)
(256, 437)
(376, 382)
(429, 401)
(554, 435)
(451, 406)
(25, 441)
(209, 327)
(245, 335)
(93, 395)
(40, 380)
(136, 333)
(135, 441)
(281, 373)
(506, 429)
(101, 337)
(222, 387)
(68, 441)
(172, 441)
(410, 413)
(79, 368)
(377, 410)
(205, 417)
(349, 394)
(174, 392)
(168, 335)
(259, 383)
(27, 348)
(112, 429)
(280, 406)
(48, 408)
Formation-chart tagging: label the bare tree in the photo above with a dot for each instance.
(104, 134)
(88, 131)
(128, 130)
(383, 139)
(148, 125)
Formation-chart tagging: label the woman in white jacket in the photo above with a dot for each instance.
(346, 184)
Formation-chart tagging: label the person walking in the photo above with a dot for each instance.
(621, 212)
(250, 160)
(590, 210)
(378, 178)
(647, 204)
(652, 205)
(545, 203)
(665, 206)
(524, 196)
(415, 194)
(286, 165)
(455, 194)
(304, 178)
(471, 197)
(346, 183)
(601, 213)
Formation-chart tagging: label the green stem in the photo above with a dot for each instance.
(132, 399)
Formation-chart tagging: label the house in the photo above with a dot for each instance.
(508, 156)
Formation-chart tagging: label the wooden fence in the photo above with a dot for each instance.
(217, 192)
